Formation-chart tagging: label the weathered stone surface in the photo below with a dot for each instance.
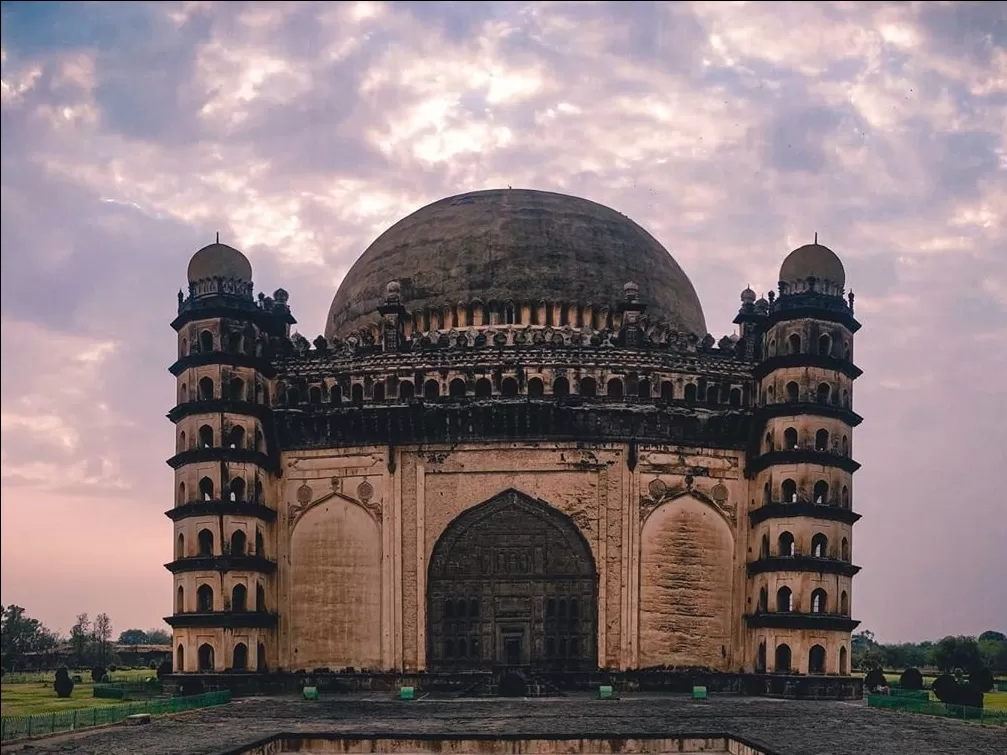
(787, 727)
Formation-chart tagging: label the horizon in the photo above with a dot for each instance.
(134, 132)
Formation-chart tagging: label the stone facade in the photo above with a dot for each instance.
(563, 485)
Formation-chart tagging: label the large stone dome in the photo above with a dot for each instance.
(519, 245)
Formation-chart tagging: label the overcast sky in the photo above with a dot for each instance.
(132, 132)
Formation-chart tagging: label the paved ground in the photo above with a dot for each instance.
(787, 727)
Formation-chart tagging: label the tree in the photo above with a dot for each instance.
(875, 678)
(911, 679)
(63, 685)
(956, 652)
(133, 637)
(158, 637)
(101, 635)
(989, 634)
(80, 640)
(21, 635)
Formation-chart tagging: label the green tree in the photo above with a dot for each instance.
(80, 641)
(956, 652)
(101, 637)
(989, 634)
(133, 637)
(21, 635)
(158, 637)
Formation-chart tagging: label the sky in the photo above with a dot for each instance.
(133, 132)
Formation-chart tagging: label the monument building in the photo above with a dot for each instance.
(515, 445)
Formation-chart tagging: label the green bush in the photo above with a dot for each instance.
(164, 669)
(97, 673)
(982, 678)
(63, 685)
(911, 679)
(875, 678)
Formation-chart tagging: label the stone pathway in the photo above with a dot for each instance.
(788, 727)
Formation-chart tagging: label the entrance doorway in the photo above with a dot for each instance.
(512, 582)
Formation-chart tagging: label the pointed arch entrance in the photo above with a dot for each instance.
(512, 582)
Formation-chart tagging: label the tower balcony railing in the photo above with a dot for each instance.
(802, 620)
(223, 619)
(224, 562)
(256, 508)
(802, 563)
(831, 511)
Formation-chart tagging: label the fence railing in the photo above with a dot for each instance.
(48, 677)
(929, 708)
(18, 727)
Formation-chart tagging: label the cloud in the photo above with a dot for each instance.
(300, 131)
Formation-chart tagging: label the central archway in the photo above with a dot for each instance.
(512, 582)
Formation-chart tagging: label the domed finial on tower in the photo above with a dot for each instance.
(748, 296)
(393, 292)
(219, 261)
(631, 291)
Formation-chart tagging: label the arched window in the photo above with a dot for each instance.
(456, 388)
(239, 599)
(822, 393)
(236, 389)
(237, 489)
(844, 603)
(234, 343)
(821, 492)
(258, 493)
(782, 665)
(824, 345)
(180, 660)
(713, 395)
(180, 600)
(180, 546)
(820, 546)
(690, 393)
(819, 601)
(509, 316)
(205, 436)
(184, 351)
(667, 390)
(206, 657)
(794, 343)
(643, 388)
(793, 391)
(790, 438)
(406, 390)
(767, 495)
(293, 396)
(788, 490)
(845, 446)
(763, 600)
(431, 390)
(378, 392)
(764, 548)
(357, 394)
(536, 388)
(760, 659)
(846, 399)
(784, 600)
(509, 387)
(336, 394)
(484, 388)
(204, 598)
(844, 497)
(846, 350)
(260, 543)
(260, 659)
(560, 387)
(260, 597)
(770, 395)
(785, 545)
(735, 397)
(588, 387)
(181, 494)
(239, 542)
(449, 609)
(205, 341)
(183, 394)
(550, 607)
(239, 658)
(842, 661)
(816, 660)
(260, 440)
(204, 542)
(822, 440)
(768, 443)
(205, 389)
(614, 388)
(181, 442)
(473, 608)
(844, 550)
(772, 348)
(236, 438)
(314, 395)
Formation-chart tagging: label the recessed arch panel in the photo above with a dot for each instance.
(335, 561)
(686, 581)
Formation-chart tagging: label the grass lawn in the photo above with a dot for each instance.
(995, 701)
(38, 696)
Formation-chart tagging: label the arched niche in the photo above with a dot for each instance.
(686, 576)
(335, 561)
(512, 582)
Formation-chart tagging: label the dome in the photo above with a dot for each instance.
(219, 261)
(518, 245)
(813, 260)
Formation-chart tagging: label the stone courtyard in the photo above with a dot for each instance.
(781, 727)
